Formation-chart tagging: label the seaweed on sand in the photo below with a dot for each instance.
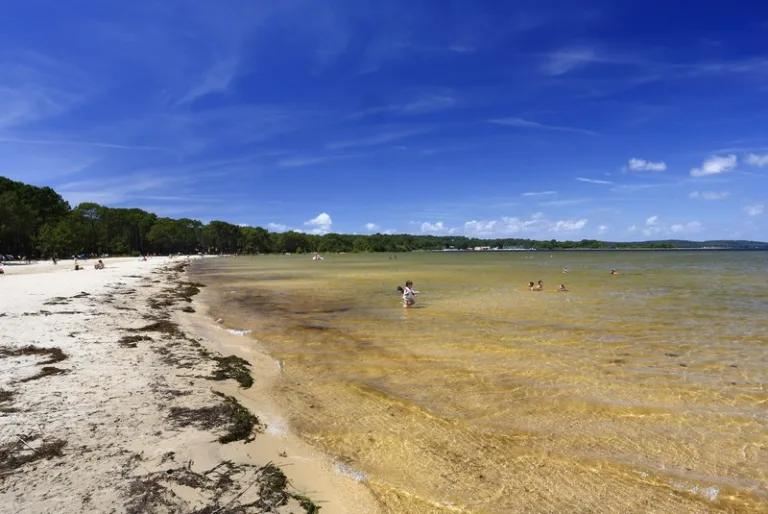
(227, 488)
(46, 371)
(234, 368)
(239, 422)
(56, 354)
(16, 453)
(163, 326)
(6, 397)
(131, 341)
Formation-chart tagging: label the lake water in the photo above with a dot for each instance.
(641, 392)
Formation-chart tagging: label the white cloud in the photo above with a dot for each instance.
(632, 229)
(655, 227)
(602, 229)
(371, 226)
(691, 226)
(709, 195)
(715, 165)
(436, 229)
(540, 193)
(519, 122)
(321, 223)
(643, 165)
(757, 160)
(276, 227)
(593, 181)
(754, 210)
(566, 225)
(536, 226)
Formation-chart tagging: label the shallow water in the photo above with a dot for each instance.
(642, 392)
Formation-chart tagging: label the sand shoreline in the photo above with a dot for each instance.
(108, 405)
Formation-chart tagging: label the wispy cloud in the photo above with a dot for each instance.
(53, 142)
(521, 123)
(565, 203)
(567, 59)
(593, 180)
(539, 193)
(215, 80)
(378, 139)
(298, 162)
(643, 165)
(755, 209)
(709, 195)
(371, 227)
(424, 103)
(715, 165)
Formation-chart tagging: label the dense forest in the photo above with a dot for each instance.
(36, 222)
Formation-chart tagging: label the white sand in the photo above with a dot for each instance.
(111, 404)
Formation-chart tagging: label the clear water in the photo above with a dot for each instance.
(641, 392)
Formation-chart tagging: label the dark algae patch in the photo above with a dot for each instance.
(234, 368)
(132, 341)
(228, 488)
(46, 371)
(16, 453)
(238, 421)
(166, 327)
(54, 354)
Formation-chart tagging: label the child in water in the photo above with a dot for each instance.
(409, 294)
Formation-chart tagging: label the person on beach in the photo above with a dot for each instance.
(614, 272)
(409, 295)
(539, 286)
(531, 286)
(99, 265)
(77, 266)
(562, 288)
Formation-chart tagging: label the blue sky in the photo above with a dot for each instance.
(549, 119)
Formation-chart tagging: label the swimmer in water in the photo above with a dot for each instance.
(409, 295)
(562, 288)
(539, 286)
(531, 286)
(614, 272)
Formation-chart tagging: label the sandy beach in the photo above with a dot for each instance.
(117, 394)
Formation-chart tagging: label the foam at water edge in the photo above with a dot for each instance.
(710, 493)
(279, 364)
(275, 428)
(238, 332)
(346, 470)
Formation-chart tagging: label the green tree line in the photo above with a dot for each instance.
(37, 222)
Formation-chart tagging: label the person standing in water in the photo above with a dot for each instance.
(409, 295)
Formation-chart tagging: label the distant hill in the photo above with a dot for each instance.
(720, 244)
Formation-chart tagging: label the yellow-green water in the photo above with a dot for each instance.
(642, 392)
